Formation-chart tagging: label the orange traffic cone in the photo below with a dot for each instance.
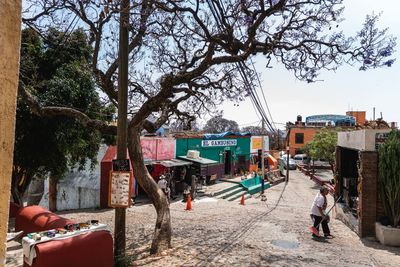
(189, 203)
(242, 200)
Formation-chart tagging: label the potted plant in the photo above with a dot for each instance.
(389, 189)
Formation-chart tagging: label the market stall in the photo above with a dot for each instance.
(202, 167)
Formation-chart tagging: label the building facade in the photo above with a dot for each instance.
(301, 133)
(230, 150)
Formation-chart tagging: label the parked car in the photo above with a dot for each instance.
(301, 159)
(283, 162)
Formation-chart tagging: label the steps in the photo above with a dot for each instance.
(226, 190)
(234, 193)
(257, 188)
(237, 196)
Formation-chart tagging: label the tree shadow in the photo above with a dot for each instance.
(372, 243)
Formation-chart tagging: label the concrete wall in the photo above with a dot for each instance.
(79, 189)
(363, 140)
(69, 198)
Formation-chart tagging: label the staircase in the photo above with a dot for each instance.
(232, 193)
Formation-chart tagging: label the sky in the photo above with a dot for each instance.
(344, 90)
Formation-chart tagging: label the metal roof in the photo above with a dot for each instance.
(199, 160)
(225, 134)
(171, 162)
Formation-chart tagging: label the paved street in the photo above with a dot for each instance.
(222, 233)
(272, 233)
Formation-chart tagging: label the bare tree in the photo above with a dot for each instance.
(218, 124)
(188, 56)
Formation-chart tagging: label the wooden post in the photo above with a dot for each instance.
(10, 41)
(262, 157)
(122, 129)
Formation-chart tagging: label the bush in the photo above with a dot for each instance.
(389, 177)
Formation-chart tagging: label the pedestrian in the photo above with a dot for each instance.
(318, 212)
(163, 184)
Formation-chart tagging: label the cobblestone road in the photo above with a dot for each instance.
(272, 233)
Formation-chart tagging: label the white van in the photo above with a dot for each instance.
(301, 159)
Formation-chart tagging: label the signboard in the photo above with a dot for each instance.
(121, 165)
(222, 142)
(256, 143)
(119, 194)
(380, 138)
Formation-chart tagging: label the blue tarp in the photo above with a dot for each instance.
(223, 135)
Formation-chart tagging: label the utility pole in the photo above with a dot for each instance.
(262, 157)
(122, 129)
(10, 41)
(287, 154)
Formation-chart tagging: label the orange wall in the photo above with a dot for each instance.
(309, 133)
(359, 115)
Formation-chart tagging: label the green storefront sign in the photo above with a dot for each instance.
(233, 154)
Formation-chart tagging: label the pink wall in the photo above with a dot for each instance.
(156, 148)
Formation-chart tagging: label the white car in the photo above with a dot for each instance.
(301, 159)
(283, 161)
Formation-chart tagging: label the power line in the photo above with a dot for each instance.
(241, 68)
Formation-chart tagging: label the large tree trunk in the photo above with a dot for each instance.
(162, 233)
(17, 197)
(52, 194)
(10, 34)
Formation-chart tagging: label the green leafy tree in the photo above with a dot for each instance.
(55, 71)
(323, 146)
(389, 177)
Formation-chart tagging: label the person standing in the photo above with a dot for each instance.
(318, 215)
(163, 184)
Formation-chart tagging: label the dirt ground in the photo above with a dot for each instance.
(222, 233)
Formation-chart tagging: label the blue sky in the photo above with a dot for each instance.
(346, 89)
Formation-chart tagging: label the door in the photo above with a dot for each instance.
(227, 162)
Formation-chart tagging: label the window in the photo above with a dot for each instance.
(299, 138)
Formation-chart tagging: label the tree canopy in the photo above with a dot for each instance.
(218, 124)
(56, 74)
(323, 146)
(254, 130)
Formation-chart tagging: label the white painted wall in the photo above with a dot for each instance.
(79, 189)
(363, 140)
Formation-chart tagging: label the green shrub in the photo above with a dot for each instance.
(389, 177)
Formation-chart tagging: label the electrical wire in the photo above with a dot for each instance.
(248, 84)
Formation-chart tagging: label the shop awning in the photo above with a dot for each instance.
(200, 160)
(168, 163)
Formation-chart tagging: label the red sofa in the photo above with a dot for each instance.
(85, 250)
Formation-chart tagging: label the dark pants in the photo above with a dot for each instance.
(324, 223)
